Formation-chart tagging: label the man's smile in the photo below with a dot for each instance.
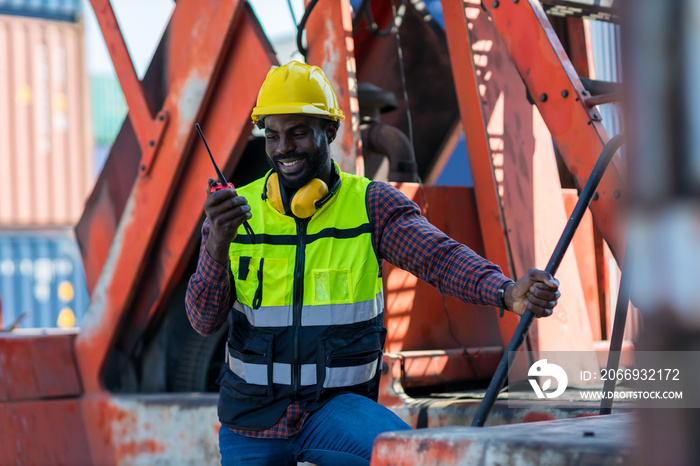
(290, 166)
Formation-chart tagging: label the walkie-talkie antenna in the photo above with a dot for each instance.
(222, 178)
(223, 184)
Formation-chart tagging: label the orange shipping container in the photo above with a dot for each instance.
(45, 161)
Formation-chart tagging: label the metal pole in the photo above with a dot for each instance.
(528, 317)
(618, 332)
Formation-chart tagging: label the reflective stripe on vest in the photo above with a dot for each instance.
(319, 315)
(256, 374)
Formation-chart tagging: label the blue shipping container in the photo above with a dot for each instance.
(41, 273)
(58, 10)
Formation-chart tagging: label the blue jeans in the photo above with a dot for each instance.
(340, 433)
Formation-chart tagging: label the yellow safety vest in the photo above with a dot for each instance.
(308, 310)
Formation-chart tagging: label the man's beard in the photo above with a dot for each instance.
(315, 165)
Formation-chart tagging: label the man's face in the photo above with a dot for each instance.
(297, 148)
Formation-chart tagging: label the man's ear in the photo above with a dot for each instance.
(331, 131)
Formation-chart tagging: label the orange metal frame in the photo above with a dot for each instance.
(332, 49)
(149, 128)
(565, 106)
(216, 59)
(217, 56)
(491, 220)
(154, 187)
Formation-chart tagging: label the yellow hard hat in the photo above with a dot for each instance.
(297, 88)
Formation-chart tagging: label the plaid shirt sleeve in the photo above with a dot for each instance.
(405, 238)
(208, 298)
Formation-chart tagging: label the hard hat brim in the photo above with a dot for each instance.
(294, 108)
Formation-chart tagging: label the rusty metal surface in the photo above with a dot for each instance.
(154, 429)
(43, 432)
(45, 158)
(131, 430)
(36, 366)
(104, 206)
(114, 432)
(233, 101)
(466, 338)
(416, 386)
(459, 409)
(234, 54)
(474, 119)
(331, 47)
(532, 198)
(415, 314)
(520, 155)
(142, 226)
(603, 440)
(560, 98)
(435, 370)
(146, 206)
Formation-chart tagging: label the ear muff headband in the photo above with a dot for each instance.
(302, 203)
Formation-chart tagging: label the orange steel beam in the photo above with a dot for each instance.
(217, 56)
(332, 48)
(490, 213)
(245, 68)
(561, 100)
(198, 60)
(148, 129)
(528, 182)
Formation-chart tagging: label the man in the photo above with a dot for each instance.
(305, 296)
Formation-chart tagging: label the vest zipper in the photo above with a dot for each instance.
(298, 302)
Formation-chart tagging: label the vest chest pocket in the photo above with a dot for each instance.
(332, 286)
(260, 281)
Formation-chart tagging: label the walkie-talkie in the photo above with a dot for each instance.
(223, 184)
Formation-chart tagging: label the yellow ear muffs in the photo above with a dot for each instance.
(303, 202)
(275, 194)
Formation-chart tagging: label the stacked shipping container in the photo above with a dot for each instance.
(41, 275)
(45, 160)
(45, 168)
(108, 112)
(60, 10)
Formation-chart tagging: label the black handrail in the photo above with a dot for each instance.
(618, 332)
(499, 378)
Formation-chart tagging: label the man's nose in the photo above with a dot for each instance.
(286, 145)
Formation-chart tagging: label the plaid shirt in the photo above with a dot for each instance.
(400, 235)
